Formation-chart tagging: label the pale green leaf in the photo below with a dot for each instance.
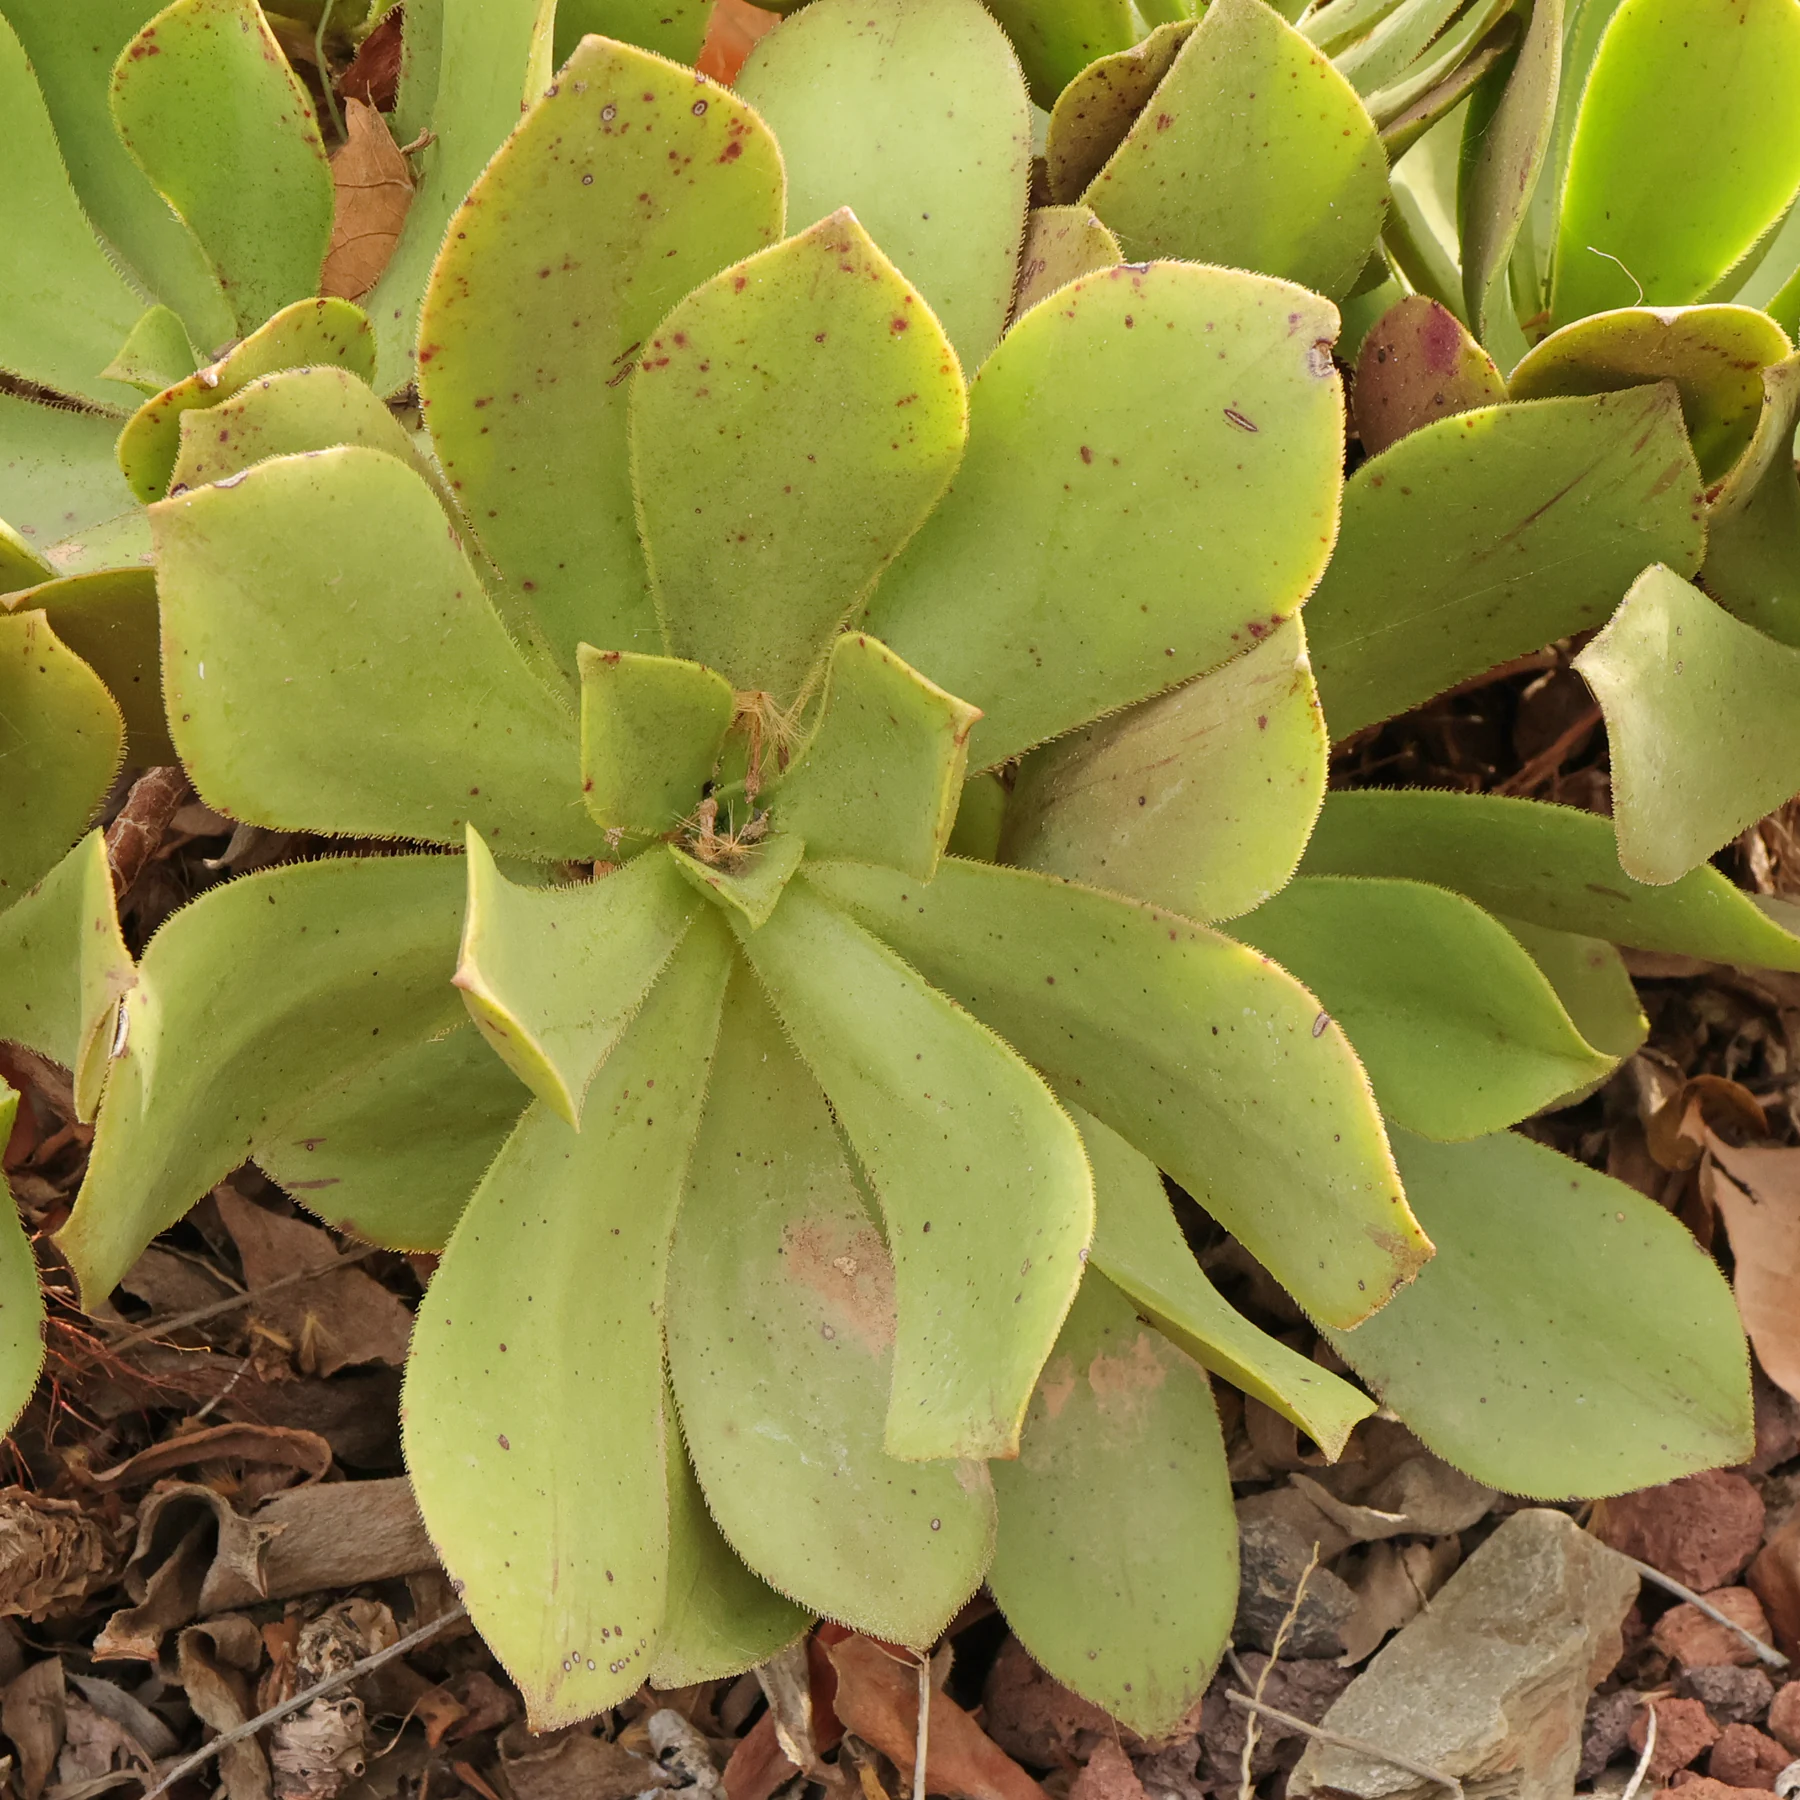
(1056, 40)
(64, 308)
(370, 688)
(1569, 1337)
(1478, 41)
(721, 1619)
(467, 70)
(1096, 108)
(1461, 1033)
(309, 332)
(1138, 1246)
(21, 1304)
(781, 1331)
(21, 566)
(745, 882)
(980, 818)
(1539, 515)
(1201, 799)
(1418, 363)
(61, 737)
(250, 1001)
(1116, 1562)
(980, 1175)
(1548, 865)
(1592, 982)
(553, 975)
(652, 728)
(533, 1413)
(1198, 1052)
(64, 967)
(392, 1154)
(73, 50)
(121, 542)
(58, 474)
(209, 109)
(792, 423)
(881, 778)
(1686, 150)
(1256, 153)
(672, 28)
(525, 380)
(1062, 243)
(1701, 724)
(1752, 565)
(1385, 52)
(915, 117)
(157, 354)
(1715, 355)
(1151, 485)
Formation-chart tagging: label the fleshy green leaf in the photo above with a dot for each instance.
(311, 331)
(781, 1346)
(721, 1619)
(1539, 517)
(1096, 108)
(109, 620)
(64, 308)
(1062, 243)
(20, 566)
(73, 50)
(283, 415)
(915, 117)
(1686, 150)
(1056, 40)
(552, 976)
(21, 1303)
(1383, 54)
(1151, 482)
(157, 354)
(58, 474)
(468, 66)
(209, 109)
(1700, 721)
(747, 882)
(1116, 1562)
(1255, 152)
(1752, 565)
(1548, 865)
(1201, 799)
(1592, 982)
(792, 423)
(60, 741)
(392, 1155)
(1418, 364)
(1461, 1033)
(524, 381)
(1139, 1248)
(980, 818)
(250, 1001)
(672, 28)
(881, 779)
(1715, 355)
(122, 542)
(369, 687)
(651, 731)
(980, 1176)
(1203, 1056)
(1613, 1362)
(534, 1396)
(64, 967)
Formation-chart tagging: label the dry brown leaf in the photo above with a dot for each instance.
(1392, 1590)
(56, 1555)
(1676, 1132)
(878, 1699)
(272, 1444)
(1757, 1193)
(374, 188)
(344, 1317)
(94, 1745)
(32, 1713)
(731, 33)
(214, 1663)
(374, 72)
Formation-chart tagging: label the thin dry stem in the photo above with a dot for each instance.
(1283, 1631)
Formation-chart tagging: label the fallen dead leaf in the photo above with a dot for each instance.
(731, 33)
(1395, 1583)
(374, 188)
(878, 1699)
(214, 1663)
(55, 1556)
(1757, 1193)
(32, 1714)
(269, 1444)
(374, 72)
(1677, 1132)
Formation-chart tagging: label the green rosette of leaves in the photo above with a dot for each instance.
(769, 1299)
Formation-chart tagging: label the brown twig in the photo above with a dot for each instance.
(1338, 1741)
(304, 1698)
(1670, 1585)
(1549, 760)
(137, 833)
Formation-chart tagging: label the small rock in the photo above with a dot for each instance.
(1034, 1718)
(1272, 1554)
(1108, 1776)
(1305, 1689)
(1733, 1696)
(1491, 1684)
(1784, 1716)
(1744, 1757)
(1172, 1773)
(1703, 1787)
(1700, 1530)
(1683, 1730)
(1609, 1719)
(1687, 1636)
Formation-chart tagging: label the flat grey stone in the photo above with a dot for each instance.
(1491, 1683)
